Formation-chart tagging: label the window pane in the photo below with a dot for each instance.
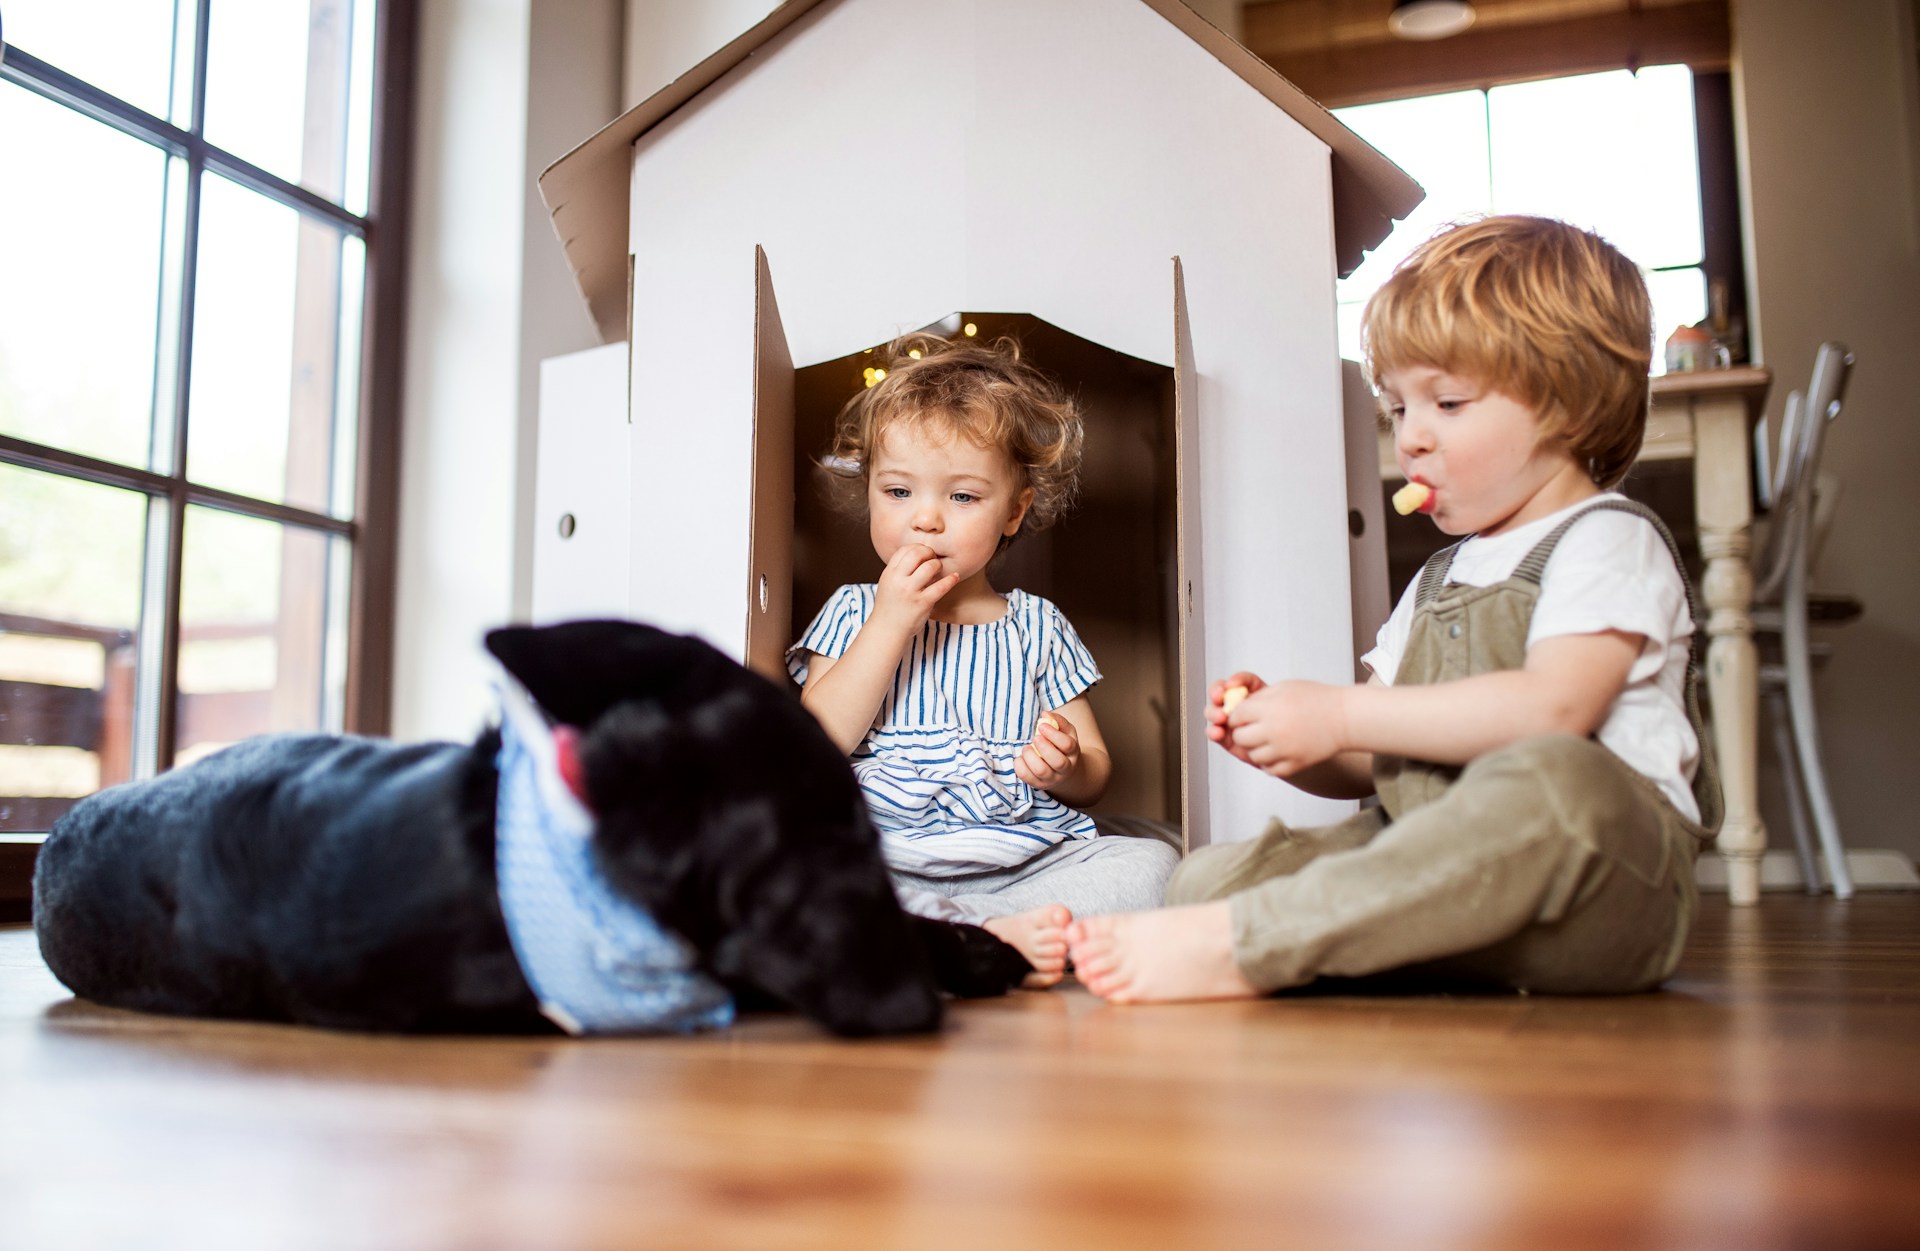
(269, 373)
(123, 47)
(78, 307)
(254, 626)
(69, 607)
(1679, 299)
(1441, 142)
(1615, 153)
(286, 90)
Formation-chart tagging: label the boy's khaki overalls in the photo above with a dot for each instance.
(1548, 865)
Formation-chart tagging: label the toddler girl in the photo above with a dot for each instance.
(965, 710)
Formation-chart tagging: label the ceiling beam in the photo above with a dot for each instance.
(1696, 33)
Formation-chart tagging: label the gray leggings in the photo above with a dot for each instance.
(1091, 876)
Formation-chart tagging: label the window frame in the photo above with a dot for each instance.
(371, 532)
(1722, 237)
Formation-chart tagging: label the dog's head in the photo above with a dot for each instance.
(724, 809)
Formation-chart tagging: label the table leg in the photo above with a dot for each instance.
(1723, 504)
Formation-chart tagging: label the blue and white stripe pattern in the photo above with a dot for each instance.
(596, 960)
(937, 766)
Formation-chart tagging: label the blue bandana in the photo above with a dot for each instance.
(598, 962)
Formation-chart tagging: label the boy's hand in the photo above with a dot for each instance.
(1052, 756)
(1287, 727)
(1217, 714)
(910, 586)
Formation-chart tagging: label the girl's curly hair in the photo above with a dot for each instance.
(981, 390)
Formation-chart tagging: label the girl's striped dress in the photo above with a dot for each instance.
(937, 766)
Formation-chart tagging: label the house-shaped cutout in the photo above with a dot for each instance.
(1112, 175)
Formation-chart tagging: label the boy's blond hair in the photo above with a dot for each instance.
(980, 391)
(1550, 314)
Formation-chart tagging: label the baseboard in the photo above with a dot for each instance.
(17, 854)
(1873, 868)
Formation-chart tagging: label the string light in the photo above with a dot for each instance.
(914, 353)
(971, 330)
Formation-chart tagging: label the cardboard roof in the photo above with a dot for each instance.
(587, 190)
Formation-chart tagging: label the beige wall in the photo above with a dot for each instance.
(1829, 137)
(505, 87)
(666, 38)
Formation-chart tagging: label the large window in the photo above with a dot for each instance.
(192, 374)
(1616, 153)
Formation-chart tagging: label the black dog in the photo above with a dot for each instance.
(349, 882)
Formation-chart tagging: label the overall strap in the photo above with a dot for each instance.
(1433, 574)
(1707, 772)
(1534, 564)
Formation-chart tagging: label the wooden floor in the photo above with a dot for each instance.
(1770, 1097)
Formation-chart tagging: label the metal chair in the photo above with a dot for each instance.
(1802, 501)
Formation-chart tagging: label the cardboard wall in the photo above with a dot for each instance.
(892, 177)
(1373, 594)
(581, 516)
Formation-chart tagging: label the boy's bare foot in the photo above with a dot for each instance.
(1039, 934)
(1159, 956)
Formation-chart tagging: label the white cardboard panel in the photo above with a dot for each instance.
(1045, 158)
(1367, 551)
(582, 472)
(692, 450)
(587, 189)
(769, 624)
(1196, 825)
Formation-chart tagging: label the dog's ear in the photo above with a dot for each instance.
(579, 669)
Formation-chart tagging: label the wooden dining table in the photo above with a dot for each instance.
(1708, 418)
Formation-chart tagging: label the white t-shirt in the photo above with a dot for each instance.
(1612, 571)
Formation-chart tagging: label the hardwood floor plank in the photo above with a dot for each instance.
(1766, 1098)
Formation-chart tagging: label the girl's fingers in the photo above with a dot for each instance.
(1052, 757)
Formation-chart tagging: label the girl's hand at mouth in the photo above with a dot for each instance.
(910, 586)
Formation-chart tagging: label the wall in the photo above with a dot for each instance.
(666, 38)
(1829, 135)
(505, 87)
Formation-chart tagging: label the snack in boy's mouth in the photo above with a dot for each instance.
(1413, 497)
(1233, 695)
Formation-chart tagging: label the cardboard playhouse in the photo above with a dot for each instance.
(1153, 213)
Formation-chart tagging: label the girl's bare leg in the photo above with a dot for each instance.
(1039, 934)
(1160, 956)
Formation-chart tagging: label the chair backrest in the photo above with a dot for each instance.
(1802, 434)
